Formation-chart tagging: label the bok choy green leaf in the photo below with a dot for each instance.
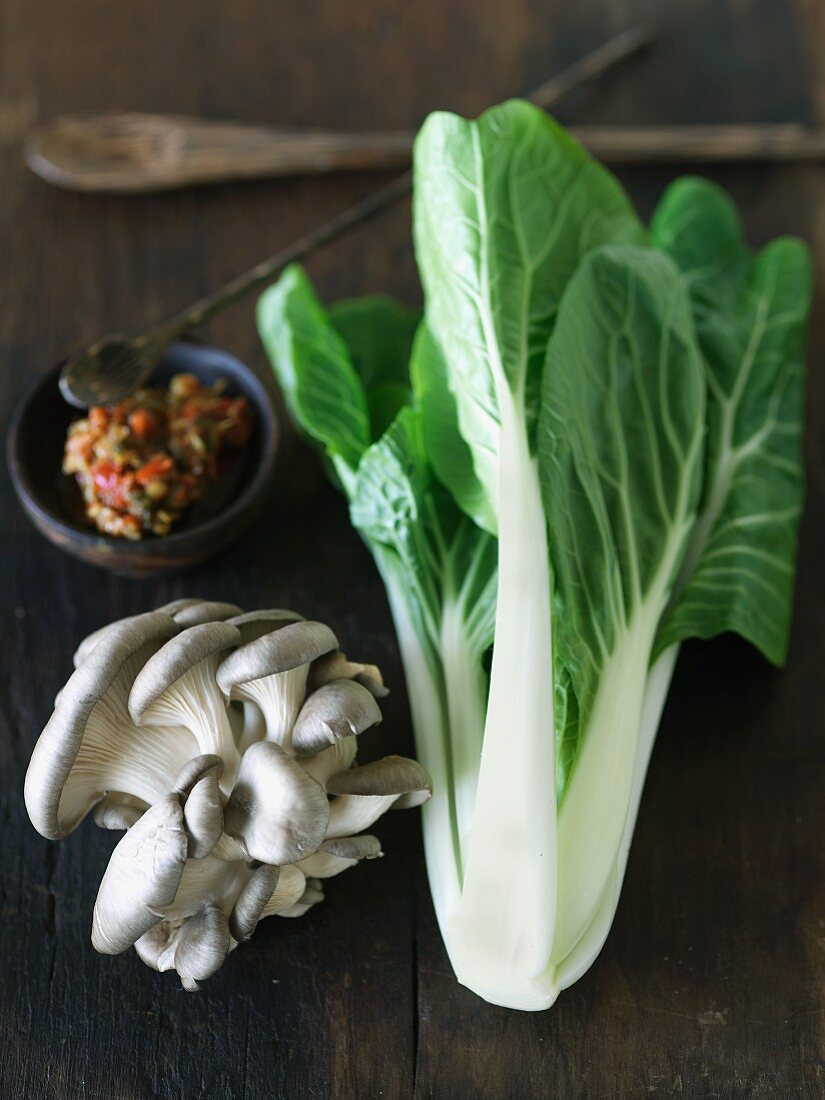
(588, 451)
(750, 314)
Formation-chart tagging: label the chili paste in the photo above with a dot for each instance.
(141, 463)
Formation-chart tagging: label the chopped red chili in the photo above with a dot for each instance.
(142, 423)
(156, 467)
(142, 462)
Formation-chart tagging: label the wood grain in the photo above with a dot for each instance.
(711, 983)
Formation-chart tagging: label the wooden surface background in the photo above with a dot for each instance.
(711, 983)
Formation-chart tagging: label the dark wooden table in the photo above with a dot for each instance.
(712, 980)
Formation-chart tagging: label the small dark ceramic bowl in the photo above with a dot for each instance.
(52, 500)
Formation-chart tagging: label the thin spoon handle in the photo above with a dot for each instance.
(784, 141)
(587, 68)
(593, 65)
(300, 249)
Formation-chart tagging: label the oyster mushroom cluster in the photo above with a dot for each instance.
(224, 745)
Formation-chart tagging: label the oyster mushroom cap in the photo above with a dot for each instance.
(254, 624)
(90, 746)
(392, 775)
(338, 854)
(289, 647)
(142, 877)
(177, 687)
(252, 901)
(353, 847)
(277, 812)
(197, 785)
(203, 817)
(175, 605)
(336, 666)
(271, 671)
(197, 612)
(342, 708)
(195, 769)
(185, 612)
(91, 640)
(365, 793)
(201, 946)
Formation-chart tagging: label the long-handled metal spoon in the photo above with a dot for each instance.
(118, 364)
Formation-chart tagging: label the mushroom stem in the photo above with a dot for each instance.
(278, 698)
(193, 702)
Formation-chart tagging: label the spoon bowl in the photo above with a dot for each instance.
(110, 369)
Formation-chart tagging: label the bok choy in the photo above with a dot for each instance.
(587, 451)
